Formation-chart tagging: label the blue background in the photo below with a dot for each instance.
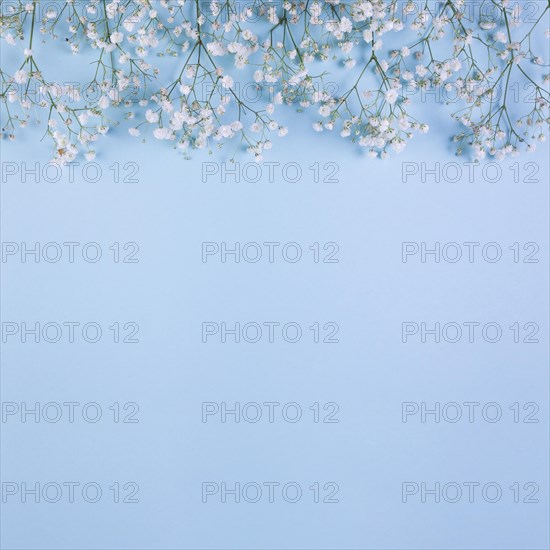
(370, 292)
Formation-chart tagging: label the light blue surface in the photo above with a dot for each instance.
(370, 292)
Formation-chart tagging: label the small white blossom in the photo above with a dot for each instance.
(21, 76)
(391, 95)
(117, 37)
(151, 116)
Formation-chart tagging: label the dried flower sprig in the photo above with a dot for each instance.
(201, 73)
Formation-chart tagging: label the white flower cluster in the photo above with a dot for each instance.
(200, 73)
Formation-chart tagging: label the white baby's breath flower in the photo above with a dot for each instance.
(103, 102)
(162, 133)
(152, 116)
(227, 82)
(21, 76)
(117, 37)
(367, 35)
(391, 96)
